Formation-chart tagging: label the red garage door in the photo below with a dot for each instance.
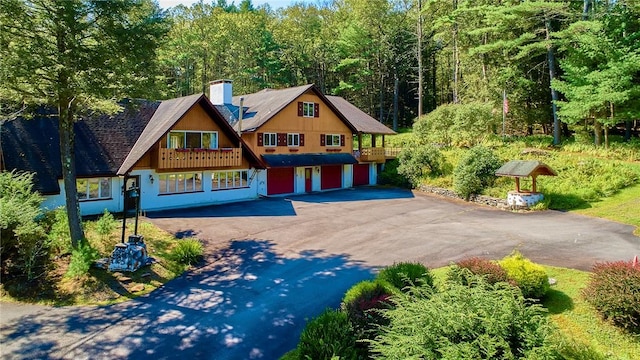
(331, 177)
(279, 181)
(360, 174)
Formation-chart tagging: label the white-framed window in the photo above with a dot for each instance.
(308, 109)
(332, 140)
(93, 188)
(293, 140)
(232, 179)
(180, 183)
(270, 139)
(192, 139)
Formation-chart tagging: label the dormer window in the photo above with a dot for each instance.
(192, 140)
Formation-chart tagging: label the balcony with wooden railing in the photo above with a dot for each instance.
(376, 154)
(199, 158)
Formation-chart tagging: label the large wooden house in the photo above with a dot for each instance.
(306, 139)
(188, 151)
(178, 153)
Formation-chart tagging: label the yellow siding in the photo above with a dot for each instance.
(288, 121)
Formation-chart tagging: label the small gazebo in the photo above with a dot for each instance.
(524, 169)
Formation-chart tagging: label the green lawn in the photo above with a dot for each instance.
(580, 323)
(622, 207)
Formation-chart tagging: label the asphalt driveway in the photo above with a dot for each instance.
(273, 263)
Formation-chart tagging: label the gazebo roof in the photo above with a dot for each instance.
(525, 168)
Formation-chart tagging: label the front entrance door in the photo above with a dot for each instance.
(130, 202)
(307, 179)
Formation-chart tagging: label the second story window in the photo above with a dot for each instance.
(270, 139)
(308, 109)
(293, 139)
(332, 140)
(192, 139)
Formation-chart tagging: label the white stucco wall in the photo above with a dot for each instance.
(151, 199)
(89, 207)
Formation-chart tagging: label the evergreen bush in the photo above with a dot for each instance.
(406, 274)
(420, 160)
(480, 322)
(81, 260)
(328, 336)
(188, 251)
(530, 277)
(614, 290)
(475, 171)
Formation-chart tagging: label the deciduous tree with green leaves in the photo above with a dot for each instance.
(77, 56)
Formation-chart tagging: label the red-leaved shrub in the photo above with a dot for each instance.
(491, 271)
(614, 290)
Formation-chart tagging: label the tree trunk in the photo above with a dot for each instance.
(456, 57)
(396, 94)
(597, 132)
(68, 161)
(627, 130)
(67, 151)
(419, 58)
(552, 75)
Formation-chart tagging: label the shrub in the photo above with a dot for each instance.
(481, 322)
(456, 124)
(361, 304)
(23, 248)
(475, 171)
(58, 236)
(528, 276)
(327, 336)
(81, 260)
(476, 266)
(614, 290)
(188, 252)
(418, 161)
(106, 224)
(389, 175)
(405, 274)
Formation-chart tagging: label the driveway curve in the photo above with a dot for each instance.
(273, 263)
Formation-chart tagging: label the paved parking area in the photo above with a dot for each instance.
(275, 262)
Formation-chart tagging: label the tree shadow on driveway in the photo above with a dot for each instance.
(249, 303)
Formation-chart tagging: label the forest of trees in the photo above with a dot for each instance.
(583, 54)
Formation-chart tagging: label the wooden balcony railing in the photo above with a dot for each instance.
(376, 154)
(199, 158)
(392, 153)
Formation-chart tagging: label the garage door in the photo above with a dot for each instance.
(331, 177)
(279, 181)
(360, 174)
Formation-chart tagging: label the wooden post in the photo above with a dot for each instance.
(533, 184)
(382, 140)
(373, 140)
(360, 142)
(517, 184)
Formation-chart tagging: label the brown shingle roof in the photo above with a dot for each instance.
(168, 114)
(101, 143)
(263, 105)
(525, 168)
(358, 118)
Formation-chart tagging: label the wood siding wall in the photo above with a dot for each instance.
(197, 119)
(287, 121)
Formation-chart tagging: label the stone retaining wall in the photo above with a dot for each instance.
(480, 199)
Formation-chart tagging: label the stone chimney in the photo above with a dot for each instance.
(221, 92)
